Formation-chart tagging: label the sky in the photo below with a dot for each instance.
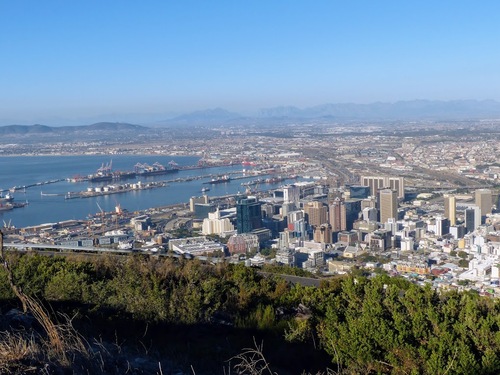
(65, 61)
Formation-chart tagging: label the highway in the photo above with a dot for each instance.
(60, 250)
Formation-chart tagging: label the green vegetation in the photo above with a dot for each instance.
(377, 325)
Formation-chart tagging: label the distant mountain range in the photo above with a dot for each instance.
(413, 110)
(97, 127)
(403, 110)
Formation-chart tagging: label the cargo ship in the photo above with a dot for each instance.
(102, 174)
(219, 180)
(6, 207)
(154, 170)
(7, 198)
(123, 175)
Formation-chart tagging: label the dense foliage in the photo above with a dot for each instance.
(366, 325)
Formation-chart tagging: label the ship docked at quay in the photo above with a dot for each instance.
(219, 180)
(155, 169)
(105, 173)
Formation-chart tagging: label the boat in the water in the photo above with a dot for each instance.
(154, 170)
(6, 207)
(219, 180)
(7, 198)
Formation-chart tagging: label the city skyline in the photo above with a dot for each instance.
(68, 62)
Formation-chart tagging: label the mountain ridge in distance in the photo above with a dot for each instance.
(378, 111)
(412, 110)
(99, 126)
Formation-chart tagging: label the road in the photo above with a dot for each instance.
(59, 250)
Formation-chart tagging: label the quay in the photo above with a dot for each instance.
(115, 189)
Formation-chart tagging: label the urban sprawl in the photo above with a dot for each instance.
(419, 200)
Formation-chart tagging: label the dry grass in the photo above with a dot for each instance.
(60, 339)
(14, 346)
(17, 351)
(251, 361)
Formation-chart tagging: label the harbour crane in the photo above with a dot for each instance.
(102, 211)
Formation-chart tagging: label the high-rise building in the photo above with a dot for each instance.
(193, 200)
(484, 201)
(370, 214)
(369, 202)
(291, 194)
(472, 218)
(359, 192)
(316, 213)
(214, 224)
(450, 208)
(248, 214)
(377, 183)
(388, 203)
(323, 233)
(350, 212)
(335, 213)
(442, 226)
(201, 210)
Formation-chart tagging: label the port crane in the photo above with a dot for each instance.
(105, 168)
(102, 211)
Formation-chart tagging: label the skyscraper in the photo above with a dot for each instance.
(291, 194)
(248, 214)
(450, 208)
(316, 213)
(350, 213)
(323, 233)
(484, 201)
(360, 192)
(388, 203)
(472, 218)
(442, 226)
(335, 213)
(370, 214)
(377, 183)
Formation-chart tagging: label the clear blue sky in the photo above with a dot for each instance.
(70, 60)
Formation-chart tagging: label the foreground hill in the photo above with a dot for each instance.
(376, 325)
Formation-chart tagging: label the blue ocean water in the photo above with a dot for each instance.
(26, 170)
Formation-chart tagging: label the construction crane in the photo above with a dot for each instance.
(102, 212)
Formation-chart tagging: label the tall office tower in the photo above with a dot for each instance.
(450, 208)
(335, 213)
(370, 214)
(359, 192)
(484, 202)
(248, 214)
(291, 194)
(286, 208)
(193, 200)
(316, 213)
(442, 226)
(369, 202)
(388, 203)
(295, 215)
(398, 184)
(350, 213)
(284, 240)
(323, 233)
(377, 183)
(472, 218)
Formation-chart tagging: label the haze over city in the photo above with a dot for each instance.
(68, 63)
